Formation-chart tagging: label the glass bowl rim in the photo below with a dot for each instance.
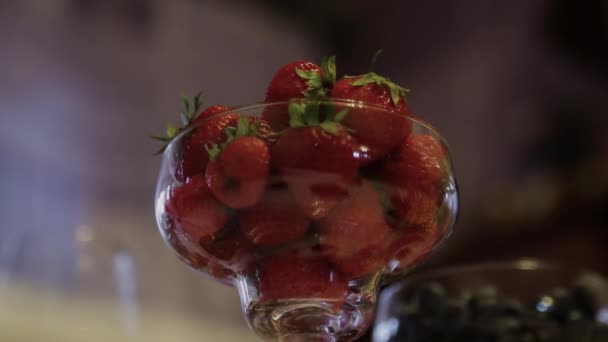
(521, 264)
(347, 102)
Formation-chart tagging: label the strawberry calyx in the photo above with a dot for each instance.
(371, 77)
(318, 81)
(190, 112)
(328, 67)
(309, 115)
(243, 128)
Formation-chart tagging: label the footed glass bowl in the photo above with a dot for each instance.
(305, 207)
(521, 301)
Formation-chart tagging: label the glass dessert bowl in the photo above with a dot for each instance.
(305, 207)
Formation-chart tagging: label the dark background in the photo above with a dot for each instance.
(518, 88)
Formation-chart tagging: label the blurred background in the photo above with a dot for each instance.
(519, 89)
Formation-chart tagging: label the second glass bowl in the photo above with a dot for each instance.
(521, 301)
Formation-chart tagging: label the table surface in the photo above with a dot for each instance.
(28, 314)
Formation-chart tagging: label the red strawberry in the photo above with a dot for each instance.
(420, 159)
(209, 112)
(316, 193)
(194, 212)
(379, 131)
(412, 245)
(238, 176)
(262, 130)
(314, 149)
(317, 166)
(290, 276)
(286, 84)
(293, 81)
(274, 220)
(190, 254)
(372, 89)
(186, 250)
(354, 235)
(300, 79)
(232, 251)
(194, 156)
(415, 204)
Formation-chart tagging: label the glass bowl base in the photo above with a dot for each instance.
(309, 320)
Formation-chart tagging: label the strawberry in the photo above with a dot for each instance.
(314, 149)
(420, 159)
(232, 251)
(190, 254)
(261, 128)
(300, 79)
(274, 220)
(413, 244)
(209, 112)
(378, 130)
(207, 128)
(415, 204)
(294, 80)
(373, 89)
(317, 166)
(316, 193)
(194, 212)
(194, 156)
(291, 276)
(237, 175)
(354, 235)
(187, 251)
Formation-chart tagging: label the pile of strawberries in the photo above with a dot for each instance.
(311, 194)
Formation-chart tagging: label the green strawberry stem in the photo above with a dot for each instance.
(328, 66)
(189, 114)
(319, 83)
(310, 115)
(371, 77)
(244, 127)
(372, 62)
(314, 82)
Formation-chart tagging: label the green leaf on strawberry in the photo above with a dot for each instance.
(172, 131)
(395, 90)
(244, 127)
(328, 67)
(314, 82)
(330, 127)
(296, 115)
(161, 138)
(213, 150)
(190, 112)
(341, 115)
(318, 81)
(309, 115)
